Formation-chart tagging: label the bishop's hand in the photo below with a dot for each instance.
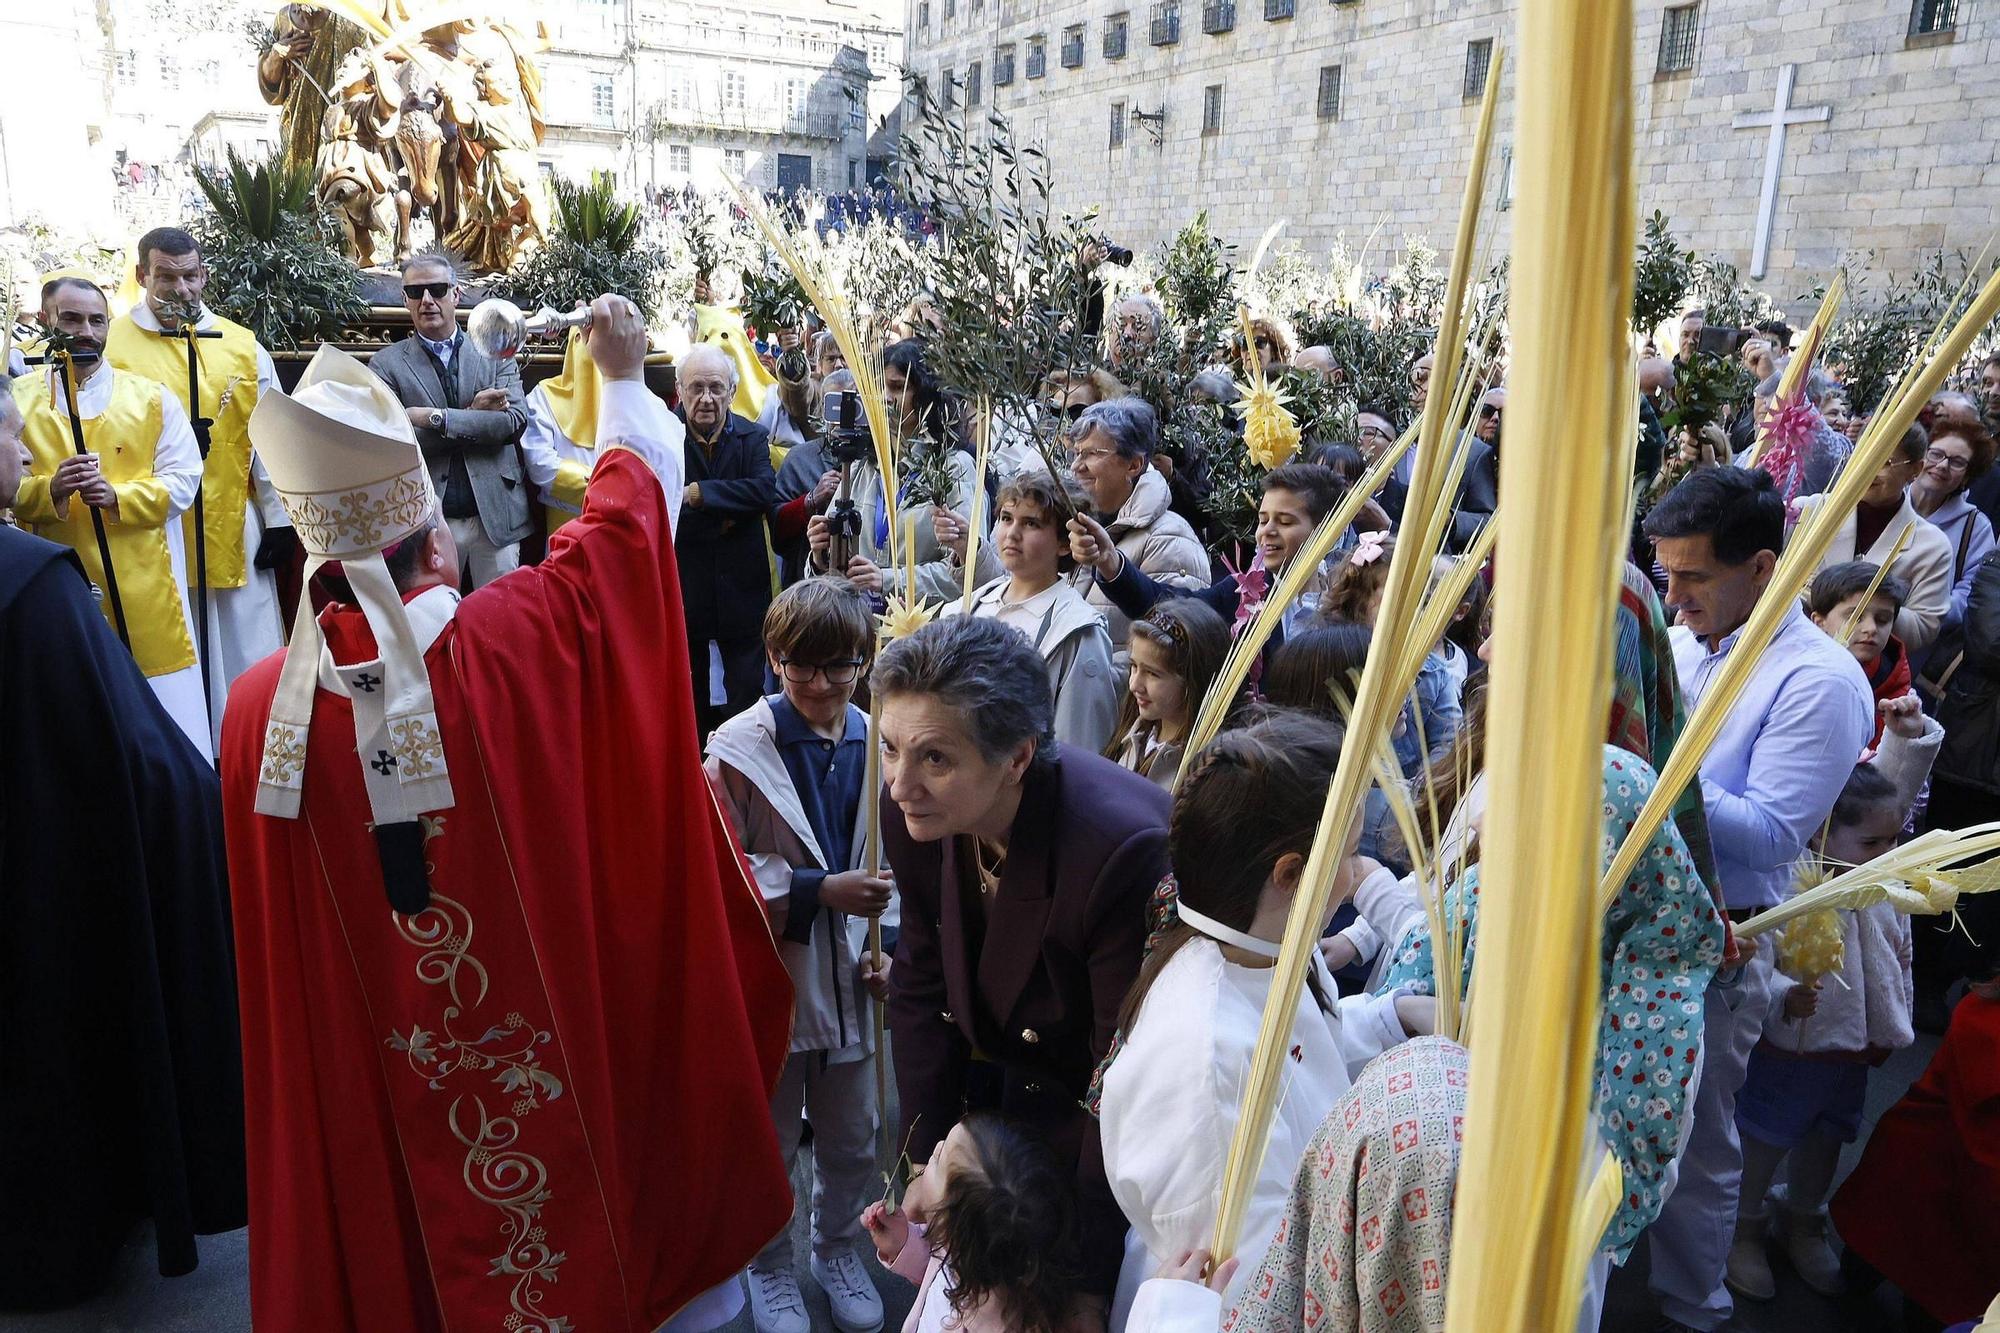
(617, 336)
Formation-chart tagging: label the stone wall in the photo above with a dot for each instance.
(1908, 159)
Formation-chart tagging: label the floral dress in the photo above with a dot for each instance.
(1662, 943)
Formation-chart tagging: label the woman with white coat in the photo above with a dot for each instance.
(1243, 822)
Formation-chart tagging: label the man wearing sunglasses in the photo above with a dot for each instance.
(468, 411)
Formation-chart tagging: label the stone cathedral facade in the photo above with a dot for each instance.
(1345, 115)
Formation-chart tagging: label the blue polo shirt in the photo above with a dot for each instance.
(828, 777)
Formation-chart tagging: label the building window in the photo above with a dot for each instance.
(948, 88)
(1166, 26)
(973, 91)
(950, 10)
(1928, 16)
(1116, 30)
(1329, 92)
(732, 162)
(1211, 110)
(679, 158)
(1677, 33)
(603, 101)
(1279, 9)
(1003, 65)
(1478, 59)
(125, 68)
(170, 74)
(923, 13)
(1072, 47)
(1117, 124)
(1038, 56)
(1218, 16)
(732, 90)
(795, 97)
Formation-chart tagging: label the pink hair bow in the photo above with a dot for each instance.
(1368, 549)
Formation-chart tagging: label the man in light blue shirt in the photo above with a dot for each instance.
(1768, 783)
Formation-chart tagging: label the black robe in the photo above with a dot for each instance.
(123, 1093)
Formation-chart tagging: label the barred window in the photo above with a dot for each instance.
(1038, 56)
(1677, 33)
(1928, 16)
(1166, 26)
(1478, 59)
(1211, 110)
(1117, 30)
(1329, 92)
(1072, 46)
(1218, 16)
(1279, 9)
(1003, 65)
(1117, 124)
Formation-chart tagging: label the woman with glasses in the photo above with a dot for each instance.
(1958, 457)
(1031, 596)
(1024, 868)
(1872, 531)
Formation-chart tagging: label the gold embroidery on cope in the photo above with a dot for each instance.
(496, 1171)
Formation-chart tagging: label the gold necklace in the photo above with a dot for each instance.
(989, 876)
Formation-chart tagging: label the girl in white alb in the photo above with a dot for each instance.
(1243, 822)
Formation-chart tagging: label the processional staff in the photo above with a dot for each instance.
(185, 314)
(60, 355)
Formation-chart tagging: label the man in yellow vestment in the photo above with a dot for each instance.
(240, 511)
(138, 472)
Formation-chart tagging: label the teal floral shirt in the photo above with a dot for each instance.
(1662, 944)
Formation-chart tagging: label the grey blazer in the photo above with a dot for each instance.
(487, 439)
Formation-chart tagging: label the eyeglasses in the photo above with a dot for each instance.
(836, 673)
(415, 291)
(1376, 431)
(1488, 412)
(1094, 455)
(1939, 458)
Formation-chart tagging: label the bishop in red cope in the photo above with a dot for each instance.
(511, 1010)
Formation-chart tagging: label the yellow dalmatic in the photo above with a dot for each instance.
(228, 396)
(723, 327)
(572, 397)
(124, 437)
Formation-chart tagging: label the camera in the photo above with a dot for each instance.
(844, 428)
(1116, 254)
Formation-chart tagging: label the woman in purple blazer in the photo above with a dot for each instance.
(1025, 874)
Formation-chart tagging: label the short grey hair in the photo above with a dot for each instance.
(1155, 316)
(1129, 423)
(986, 671)
(1217, 384)
(430, 259)
(705, 352)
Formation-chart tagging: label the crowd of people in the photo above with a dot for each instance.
(603, 672)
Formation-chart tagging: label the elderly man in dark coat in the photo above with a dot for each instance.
(721, 543)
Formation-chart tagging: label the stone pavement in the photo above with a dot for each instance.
(215, 1298)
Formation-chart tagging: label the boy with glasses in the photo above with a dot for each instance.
(790, 772)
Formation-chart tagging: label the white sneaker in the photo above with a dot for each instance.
(776, 1303)
(1749, 1271)
(1811, 1253)
(857, 1308)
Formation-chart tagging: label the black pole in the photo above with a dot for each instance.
(202, 426)
(61, 356)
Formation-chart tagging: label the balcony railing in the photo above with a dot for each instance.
(1218, 16)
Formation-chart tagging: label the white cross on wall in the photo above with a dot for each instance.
(1782, 113)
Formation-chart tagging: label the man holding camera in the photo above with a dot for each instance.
(720, 544)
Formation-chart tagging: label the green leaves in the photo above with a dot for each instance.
(598, 244)
(1663, 277)
(274, 256)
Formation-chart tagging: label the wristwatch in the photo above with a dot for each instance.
(437, 419)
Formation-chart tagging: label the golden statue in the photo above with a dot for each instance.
(440, 121)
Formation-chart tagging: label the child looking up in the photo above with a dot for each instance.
(988, 1231)
(789, 771)
(1808, 1076)
(1032, 596)
(1177, 651)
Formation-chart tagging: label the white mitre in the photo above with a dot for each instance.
(343, 457)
